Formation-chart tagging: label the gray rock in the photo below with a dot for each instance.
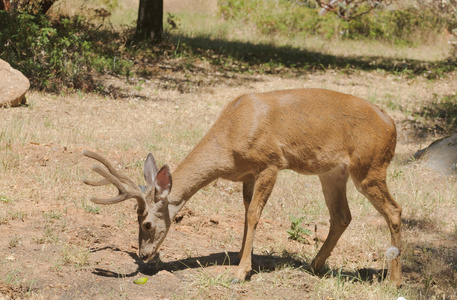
(13, 86)
(440, 156)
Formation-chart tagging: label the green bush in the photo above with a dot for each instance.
(58, 53)
(397, 26)
(289, 17)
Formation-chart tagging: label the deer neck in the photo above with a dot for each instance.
(196, 171)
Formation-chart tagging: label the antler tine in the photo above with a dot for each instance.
(117, 179)
(96, 183)
(123, 178)
(124, 193)
(114, 200)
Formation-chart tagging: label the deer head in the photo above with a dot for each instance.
(152, 200)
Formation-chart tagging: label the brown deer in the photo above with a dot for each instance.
(310, 131)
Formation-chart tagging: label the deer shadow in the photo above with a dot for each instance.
(265, 263)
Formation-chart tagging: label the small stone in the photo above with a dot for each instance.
(165, 273)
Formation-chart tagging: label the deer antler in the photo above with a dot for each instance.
(127, 187)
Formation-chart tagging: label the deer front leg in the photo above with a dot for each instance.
(262, 189)
(248, 191)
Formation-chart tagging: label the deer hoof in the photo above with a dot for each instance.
(235, 281)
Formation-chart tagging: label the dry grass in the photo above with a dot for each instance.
(211, 26)
(207, 7)
(55, 242)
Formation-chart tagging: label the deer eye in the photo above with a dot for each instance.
(147, 225)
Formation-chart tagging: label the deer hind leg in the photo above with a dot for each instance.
(264, 184)
(248, 191)
(334, 189)
(373, 186)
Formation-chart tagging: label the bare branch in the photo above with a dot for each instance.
(350, 9)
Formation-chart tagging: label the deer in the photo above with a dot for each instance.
(310, 131)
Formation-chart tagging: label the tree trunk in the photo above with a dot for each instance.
(46, 5)
(150, 18)
(5, 5)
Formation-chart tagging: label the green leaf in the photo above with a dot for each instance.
(141, 280)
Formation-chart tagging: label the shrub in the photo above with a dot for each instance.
(301, 17)
(58, 53)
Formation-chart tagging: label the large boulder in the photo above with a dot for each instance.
(13, 86)
(440, 156)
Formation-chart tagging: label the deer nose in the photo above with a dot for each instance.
(144, 257)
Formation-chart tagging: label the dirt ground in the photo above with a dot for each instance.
(55, 244)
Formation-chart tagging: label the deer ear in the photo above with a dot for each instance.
(163, 183)
(150, 169)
